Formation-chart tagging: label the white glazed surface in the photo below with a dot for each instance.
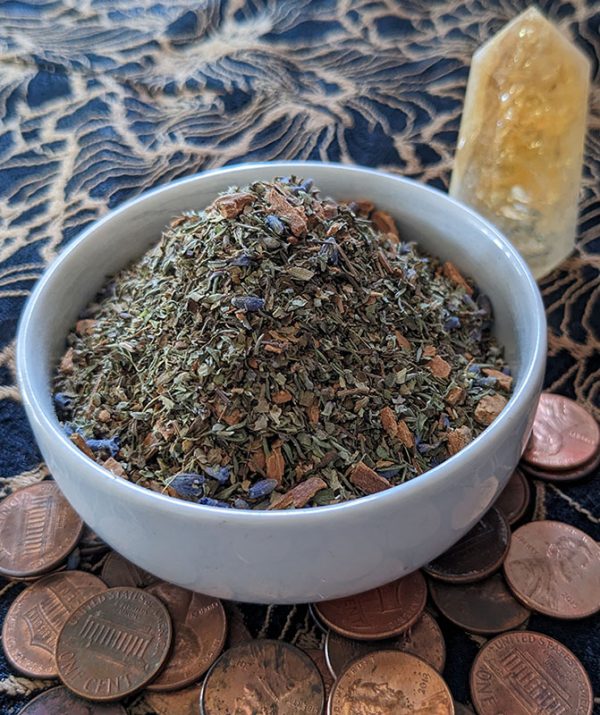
(310, 554)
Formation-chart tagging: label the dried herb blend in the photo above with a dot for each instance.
(277, 350)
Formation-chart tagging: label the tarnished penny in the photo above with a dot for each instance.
(478, 554)
(390, 682)
(521, 673)
(199, 627)
(483, 607)
(181, 702)
(564, 435)
(117, 571)
(318, 658)
(424, 639)
(380, 613)
(515, 497)
(38, 530)
(564, 475)
(114, 644)
(554, 568)
(59, 701)
(263, 676)
(35, 617)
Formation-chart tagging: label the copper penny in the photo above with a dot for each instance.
(564, 435)
(60, 700)
(379, 613)
(514, 499)
(38, 530)
(554, 568)
(478, 554)
(114, 644)
(483, 607)
(263, 676)
(318, 658)
(117, 571)
(564, 475)
(389, 682)
(35, 617)
(521, 673)
(424, 639)
(181, 702)
(199, 627)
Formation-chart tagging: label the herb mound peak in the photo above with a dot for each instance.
(278, 350)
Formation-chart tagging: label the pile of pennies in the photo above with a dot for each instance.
(122, 641)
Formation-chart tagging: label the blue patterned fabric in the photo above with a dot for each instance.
(103, 99)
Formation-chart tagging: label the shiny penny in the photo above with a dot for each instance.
(522, 672)
(38, 530)
(424, 639)
(263, 676)
(478, 554)
(514, 499)
(114, 644)
(35, 617)
(564, 475)
(380, 613)
(181, 702)
(564, 435)
(483, 607)
(117, 571)
(59, 701)
(554, 568)
(199, 627)
(390, 682)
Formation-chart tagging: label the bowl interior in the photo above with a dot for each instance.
(439, 224)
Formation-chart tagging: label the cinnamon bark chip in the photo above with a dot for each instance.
(38, 530)
(439, 367)
(281, 397)
(484, 607)
(114, 644)
(263, 676)
(554, 568)
(459, 438)
(388, 421)
(300, 495)
(390, 681)
(478, 554)
(424, 639)
(275, 464)
(367, 479)
(405, 435)
(564, 435)
(380, 613)
(452, 273)
(504, 381)
(488, 408)
(199, 628)
(385, 223)
(60, 700)
(232, 205)
(35, 617)
(522, 672)
(455, 396)
(294, 215)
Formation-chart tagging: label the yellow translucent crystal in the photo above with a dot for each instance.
(520, 146)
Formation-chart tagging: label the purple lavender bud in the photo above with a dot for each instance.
(435, 462)
(221, 474)
(474, 368)
(403, 248)
(209, 501)
(476, 335)
(469, 301)
(330, 250)
(275, 224)
(63, 403)
(307, 185)
(262, 488)
(240, 504)
(112, 445)
(188, 484)
(284, 179)
(410, 274)
(242, 259)
(452, 323)
(486, 382)
(506, 370)
(389, 473)
(69, 429)
(249, 303)
(484, 304)
(445, 422)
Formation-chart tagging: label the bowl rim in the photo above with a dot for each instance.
(519, 399)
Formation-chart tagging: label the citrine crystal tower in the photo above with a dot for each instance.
(520, 147)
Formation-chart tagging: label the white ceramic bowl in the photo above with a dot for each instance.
(309, 554)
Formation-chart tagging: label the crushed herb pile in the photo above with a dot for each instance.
(278, 350)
